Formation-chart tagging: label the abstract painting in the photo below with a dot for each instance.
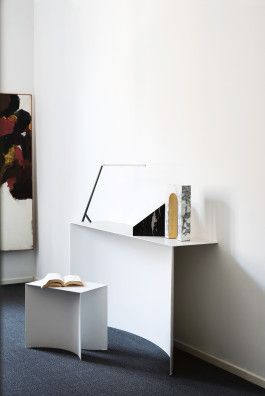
(15, 172)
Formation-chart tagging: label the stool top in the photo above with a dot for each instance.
(89, 286)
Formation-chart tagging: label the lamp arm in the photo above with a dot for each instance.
(91, 195)
(85, 216)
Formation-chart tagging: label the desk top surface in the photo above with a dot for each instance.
(126, 230)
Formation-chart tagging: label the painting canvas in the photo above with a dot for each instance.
(15, 172)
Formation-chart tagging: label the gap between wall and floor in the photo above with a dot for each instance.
(223, 364)
(12, 281)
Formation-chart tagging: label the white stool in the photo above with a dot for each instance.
(70, 318)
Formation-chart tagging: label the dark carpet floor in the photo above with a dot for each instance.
(131, 366)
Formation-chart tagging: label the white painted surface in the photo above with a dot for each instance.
(138, 275)
(126, 230)
(17, 267)
(16, 76)
(175, 82)
(16, 43)
(69, 318)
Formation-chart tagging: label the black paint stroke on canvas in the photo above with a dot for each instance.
(15, 147)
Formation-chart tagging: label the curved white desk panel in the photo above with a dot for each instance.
(139, 272)
(139, 276)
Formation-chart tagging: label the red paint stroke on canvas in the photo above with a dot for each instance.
(6, 126)
(19, 156)
(10, 182)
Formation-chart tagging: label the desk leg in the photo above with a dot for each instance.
(172, 315)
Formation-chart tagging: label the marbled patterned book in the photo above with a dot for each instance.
(184, 213)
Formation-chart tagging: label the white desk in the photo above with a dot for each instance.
(139, 272)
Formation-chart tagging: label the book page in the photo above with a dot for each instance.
(51, 277)
(72, 279)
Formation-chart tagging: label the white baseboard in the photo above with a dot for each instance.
(11, 281)
(223, 364)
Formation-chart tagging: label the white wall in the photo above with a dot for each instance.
(16, 76)
(178, 84)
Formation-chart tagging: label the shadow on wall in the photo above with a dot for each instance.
(214, 310)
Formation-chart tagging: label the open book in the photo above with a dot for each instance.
(56, 280)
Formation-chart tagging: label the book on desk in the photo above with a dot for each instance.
(57, 280)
